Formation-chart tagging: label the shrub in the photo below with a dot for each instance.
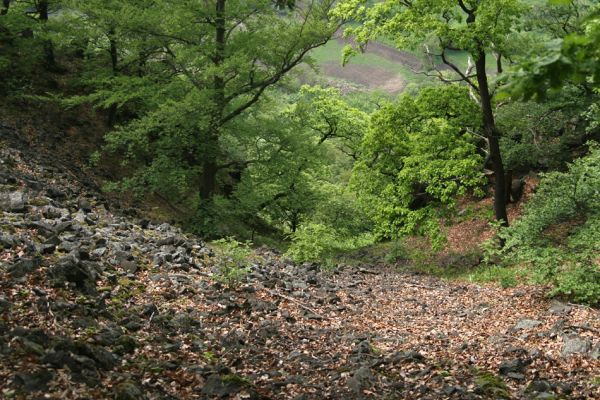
(316, 242)
(557, 238)
(312, 243)
(232, 261)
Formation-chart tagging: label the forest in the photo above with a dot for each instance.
(299, 199)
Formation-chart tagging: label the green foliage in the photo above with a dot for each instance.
(315, 242)
(542, 136)
(575, 58)
(232, 259)
(312, 243)
(183, 89)
(417, 156)
(492, 385)
(21, 49)
(412, 22)
(557, 237)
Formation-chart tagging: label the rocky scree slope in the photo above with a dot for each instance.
(94, 305)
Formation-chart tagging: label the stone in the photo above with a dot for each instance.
(217, 386)
(514, 366)
(4, 304)
(595, 353)
(33, 381)
(558, 307)
(575, 345)
(51, 212)
(526, 324)
(8, 241)
(128, 391)
(55, 193)
(69, 269)
(539, 386)
(24, 267)
(405, 356)
(361, 379)
(13, 202)
(125, 345)
(84, 205)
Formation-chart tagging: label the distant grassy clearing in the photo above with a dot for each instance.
(374, 78)
(380, 60)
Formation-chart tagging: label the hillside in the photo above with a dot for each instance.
(96, 305)
(199, 201)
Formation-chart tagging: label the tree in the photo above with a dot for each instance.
(209, 63)
(417, 156)
(477, 27)
(293, 155)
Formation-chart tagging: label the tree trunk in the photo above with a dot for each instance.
(209, 179)
(210, 168)
(5, 7)
(48, 46)
(492, 135)
(114, 62)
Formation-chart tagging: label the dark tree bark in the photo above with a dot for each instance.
(114, 62)
(5, 7)
(210, 167)
(43, 10)
(492, 135)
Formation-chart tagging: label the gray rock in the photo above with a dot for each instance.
(546, 396)
(99, 252)
(8, 241)
(575, 345)
(526, 324)
(80, 274)
(55, 193)
(128, 391)
(558, 307)
(4, 304)
(223, 387)
(539, 386)
(13, 202)
(514, 366)
(33, 381)
(84, 205)
(130, 267)
(24, 267)
(595, 354)
(361, 379)
(51, 212)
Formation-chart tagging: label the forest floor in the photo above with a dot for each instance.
(95, 304)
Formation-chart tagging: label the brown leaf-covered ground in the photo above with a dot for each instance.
(94, 305)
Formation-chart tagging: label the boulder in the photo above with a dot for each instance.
(526, 324)
(13, 202)
(80, 274)
(128, 391)
(575, 345)
(24, 267)
(33, 381)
